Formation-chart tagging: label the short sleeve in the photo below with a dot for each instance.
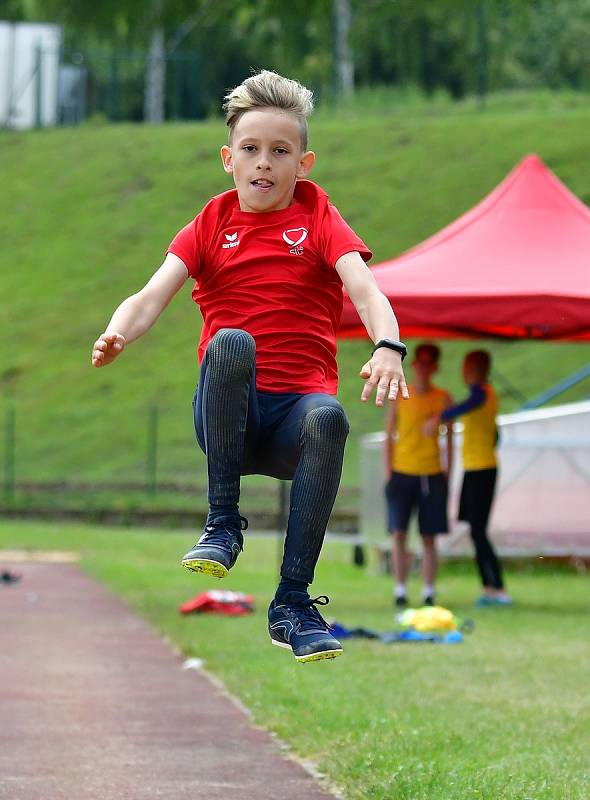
(184, 245)
(337, 238)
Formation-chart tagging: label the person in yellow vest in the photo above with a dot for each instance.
(417, 479)
(478, 413)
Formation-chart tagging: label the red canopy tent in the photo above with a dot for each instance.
(517, 265)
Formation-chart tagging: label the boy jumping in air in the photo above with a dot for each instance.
(268, 260)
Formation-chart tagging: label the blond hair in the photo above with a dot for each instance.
(267, 89)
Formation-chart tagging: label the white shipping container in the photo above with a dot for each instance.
(29, 65)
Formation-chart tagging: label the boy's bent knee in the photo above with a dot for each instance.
(232, 347)
(325, 423)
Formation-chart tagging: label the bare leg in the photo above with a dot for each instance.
(429, 560)
(400, 557)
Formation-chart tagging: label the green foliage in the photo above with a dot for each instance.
(466, 45)
(459, 47)
(556, 50)
(503, 716)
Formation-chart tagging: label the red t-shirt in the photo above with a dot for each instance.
(272, 274)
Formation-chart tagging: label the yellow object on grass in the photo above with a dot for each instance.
(429, 619)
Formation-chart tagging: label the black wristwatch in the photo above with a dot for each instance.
(392, 344)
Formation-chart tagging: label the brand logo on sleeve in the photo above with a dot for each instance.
(294, 237)
(232, 240)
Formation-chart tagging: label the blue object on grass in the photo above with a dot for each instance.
(347, 633)
(339, 631)
(406, 635)
(412, 635)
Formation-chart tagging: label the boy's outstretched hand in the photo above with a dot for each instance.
(106, 348)
(384, 370)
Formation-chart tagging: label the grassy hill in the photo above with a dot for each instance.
(86, 215)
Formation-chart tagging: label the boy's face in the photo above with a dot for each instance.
(265, 159)
(424, 366)
(472, 372)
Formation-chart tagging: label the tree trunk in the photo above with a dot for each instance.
(343, 63)
(155, 79)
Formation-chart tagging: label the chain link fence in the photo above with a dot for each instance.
(43, 84)
(147, 470)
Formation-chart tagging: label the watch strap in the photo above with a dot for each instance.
(392, 344)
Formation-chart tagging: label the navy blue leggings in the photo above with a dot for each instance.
(298, 437)
(477, 495)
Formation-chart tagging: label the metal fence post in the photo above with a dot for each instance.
(9, 453)
(152, 451)
(113, 89)
(482, 77)
(177, 74)
(195, 90)
(38, 87)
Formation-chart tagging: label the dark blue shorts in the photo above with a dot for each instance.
(272, 444)
(426, 494)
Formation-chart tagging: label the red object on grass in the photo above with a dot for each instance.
(232, 604)
(517, 265)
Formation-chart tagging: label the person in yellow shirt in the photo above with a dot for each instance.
(417, 479)
(480, 436)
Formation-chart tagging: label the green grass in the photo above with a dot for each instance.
(86, 214)
(505, 716)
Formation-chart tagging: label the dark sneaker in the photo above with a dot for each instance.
(218, 548)
(428, 600)
(297, 625)
(9, 577)
(401, 601)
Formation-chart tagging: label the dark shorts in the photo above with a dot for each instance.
(477, 495)
(272, 442)
(426, 494)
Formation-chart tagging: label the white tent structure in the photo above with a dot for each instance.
(542, 504)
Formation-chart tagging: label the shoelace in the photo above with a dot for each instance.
(216, 532)
(307, 613)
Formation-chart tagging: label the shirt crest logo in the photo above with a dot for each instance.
(294, 238)
(232, 240)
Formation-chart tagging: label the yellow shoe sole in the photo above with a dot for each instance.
(206, 566)
(321, 656)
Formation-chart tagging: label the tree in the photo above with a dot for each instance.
(343, 63)
(132, 21)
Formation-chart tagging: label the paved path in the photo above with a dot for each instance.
(94, 706)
